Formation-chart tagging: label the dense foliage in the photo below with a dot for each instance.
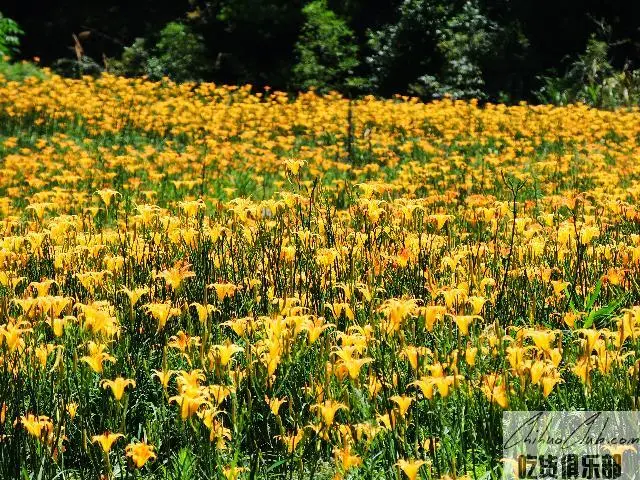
(9, 36)
(178, 54)
(498, 50)
(327, 52)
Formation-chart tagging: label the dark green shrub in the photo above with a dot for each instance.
(434, 48)
(18, 71)
(178, 54)
(592, 79)
(10, 33)
(327, 52)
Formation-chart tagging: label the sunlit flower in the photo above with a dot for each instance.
(106, 440)
(140, 453)
(117, 386)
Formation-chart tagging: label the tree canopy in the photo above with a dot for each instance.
(494, 50)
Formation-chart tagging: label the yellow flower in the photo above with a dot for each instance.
(217, 431)
(495, 392)
(570, 318)
(72, 409)
(470, 355)
(106, 440)
(275, 404)
(140, 453)
(225, 352)
(10, 279)
(549, 381)
(345, 458)
(328, 410)
(117, 386)
(426, 385)
(97, 356)
(162, 312)
(411, 467)
(396, 310)
(11, 335)
(99, 318)
(190, 379)
(232, 472)
(411, 353)
(37, 426)
(219, 392)
(190, 401)
(315, 328)
(135, 294)
(477, 303)
(403, 403)
(583, 368)
(559, 286)
(223, 290)
(203, 311)
(58, 324)
(106, 194)
(175, 275)
(443, 383)
(542, 338)
(182, 341)
(293, 166)
(463, 322)
(440, 220)
(353, 365)
(42, 288)
(191, 208)
(164, 377)
(39, 209)
(292, 440)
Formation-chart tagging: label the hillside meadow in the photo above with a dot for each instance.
(207, 282)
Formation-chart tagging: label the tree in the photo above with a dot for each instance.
(10, 33)
(178, 54)
(592, 79)
(434, 48)
(181, 52)
(464, 41)
(403, 50)
(327, 53)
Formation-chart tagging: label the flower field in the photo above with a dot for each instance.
(201, 282)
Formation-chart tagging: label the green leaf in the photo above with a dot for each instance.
(591, 298)
(605, 312)
(275, 465)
